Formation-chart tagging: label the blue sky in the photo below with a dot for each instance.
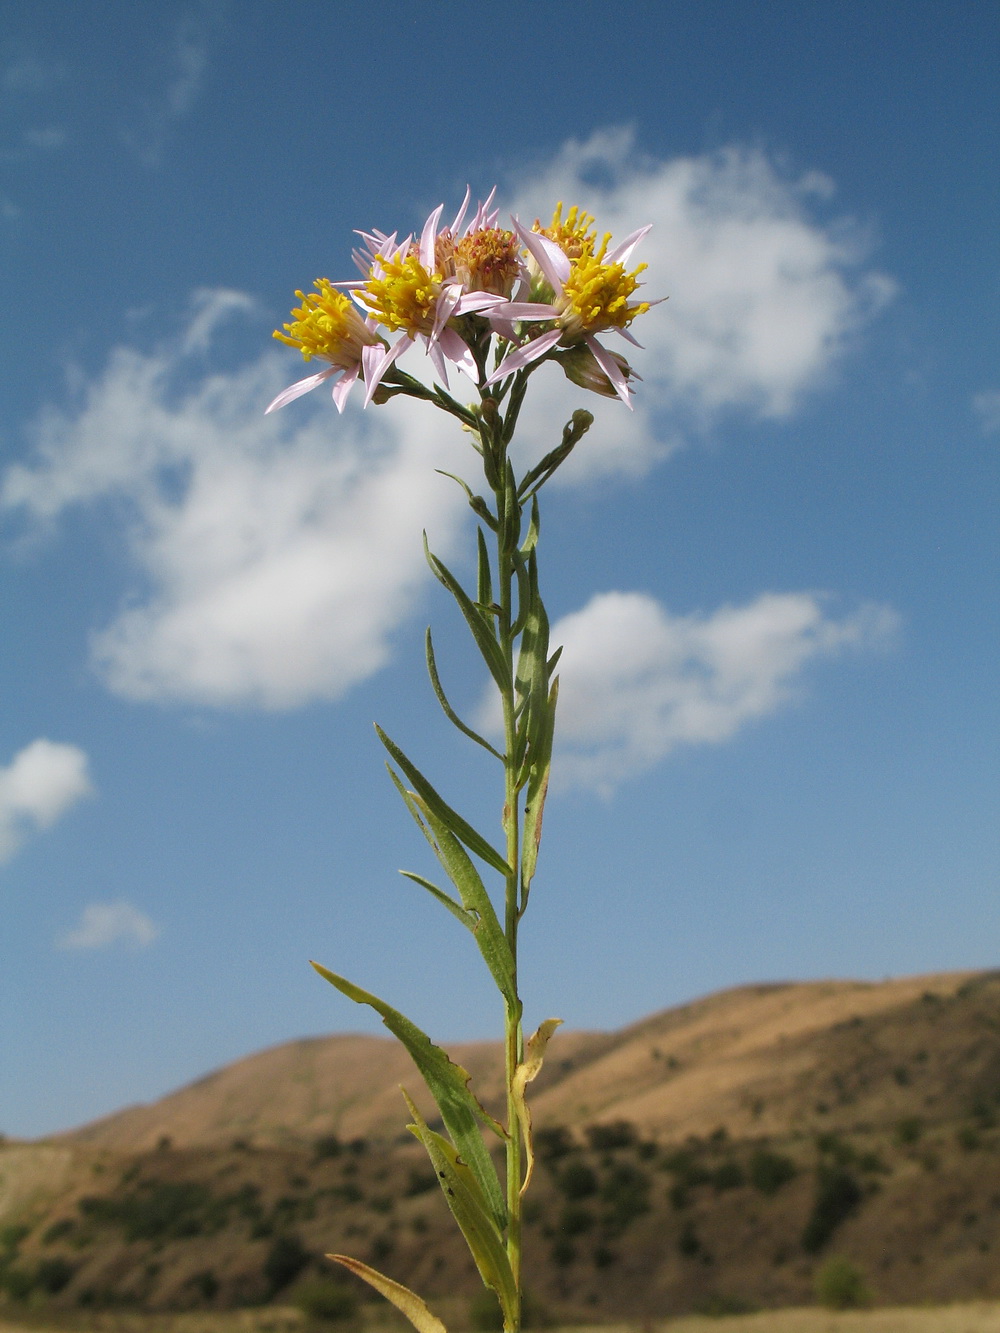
(776, 580)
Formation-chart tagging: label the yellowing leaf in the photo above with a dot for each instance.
(523, 1075)
(402, 1297)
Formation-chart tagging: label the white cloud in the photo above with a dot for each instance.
(188, 61)
(986, 406)
(763, 298)
(638, 681)
(103, 924)
(277, 556)
(40, 783)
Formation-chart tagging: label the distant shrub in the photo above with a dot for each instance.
(58, 1230)
(840, 1285)
(626, 1191)
(768, 1171)
(908, 1130)
(284, 1262)
(574, 1220)
(420, 1182)
(18, 1283)
(325, 1299)
(688, 1242)
(52, 1275)
(203, 1284)
(728, 1176)
(157, 1210)
(838, 1195)
(563, 1252)
(605, 1138)
(577, 1181)
(327, 1145)
(553, 1142)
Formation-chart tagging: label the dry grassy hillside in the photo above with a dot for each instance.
(713, 1157)
(756, 1059)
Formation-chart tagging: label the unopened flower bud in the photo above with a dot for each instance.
(581, 366)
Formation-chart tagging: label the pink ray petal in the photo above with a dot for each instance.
(300, 387)
(460, 215)
(612, 369)
(373, 380)
(470, 302)
(629, 337)
(549, 257)
(436, 354)
(456, 349)
(621, 253)
(428, 237)
(447, 304)
(528, 310)
(344, 385)
(525, 355)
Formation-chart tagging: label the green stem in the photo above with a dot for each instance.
(513, 1036)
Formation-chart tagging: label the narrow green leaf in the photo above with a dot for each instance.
(485, 588)
(538, 785)
(442, 699)
(470, 1211)
(465, 832)
(456, 909)
(482, 629)
(523, 1075)
(401, 1297)
(534, 527)
(448, 1084)
(476, 502)
(492, 941)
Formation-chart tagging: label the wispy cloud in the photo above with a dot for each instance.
(39, 785)
(764, 296)
(25, 82)
(986, 406)
(277, 556)
(638, 681)
(104, 924)
(187, 62)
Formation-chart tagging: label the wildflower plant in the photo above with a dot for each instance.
(496, 303)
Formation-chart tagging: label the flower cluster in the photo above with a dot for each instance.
(544, 293)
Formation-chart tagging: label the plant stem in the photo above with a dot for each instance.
(513, 1037)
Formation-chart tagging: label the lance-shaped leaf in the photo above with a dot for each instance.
(492, 941)
(442, 698)
(538, 786)
(523, 1075)
(482, 629)
(449, 1086)
(450, 818)
(402, 1297)
(484, 581)
(456, 909)
(476, 502)
(470, 1211)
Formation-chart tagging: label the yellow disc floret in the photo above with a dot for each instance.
(596, 295)
(574, 234)
(487, 261)
(401, 294)
(327, 325)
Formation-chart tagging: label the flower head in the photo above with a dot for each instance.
(328, 326)
(590, 292)
(415, 289)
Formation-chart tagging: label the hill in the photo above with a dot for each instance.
(712, 1156)
(754, 1060)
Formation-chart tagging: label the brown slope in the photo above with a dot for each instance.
(751, 1059)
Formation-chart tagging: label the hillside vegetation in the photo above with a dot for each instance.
(714, 1158)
